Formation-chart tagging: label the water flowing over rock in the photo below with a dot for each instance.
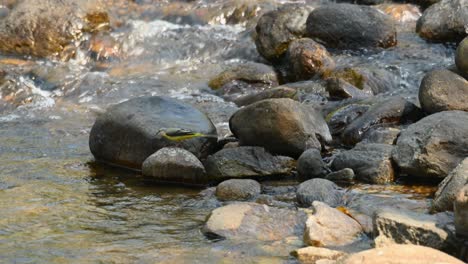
(351, 27)
(129, 132)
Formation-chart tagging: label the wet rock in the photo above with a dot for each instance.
(461, 212)
(244, 162)
(306, 59)
(278, 92)
(346, 174)
(449, 188)
(251, 72)
(282, 126)
(238, 189)
(310, 255)
(394, 110)
(319, 190)
(381, 135)
(443, 90)
(310, 165)
(408, 254)
(174, 165)
(444, 21)
(50, 28)
(313, 91)
(461, 58)
(401, 12)
(276, 29)
(329, 227)
(371, 162)
(340, 118)
(250, 221)
(434, 146)
(341, 89)
(129, 132)
(351, 27)
(406, 227)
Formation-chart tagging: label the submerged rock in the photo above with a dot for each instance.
(449, 188)
(129, 132)
(244, 162)
(461, 57)
(433, 146)
(351, 27)
(49, 28)
(238, 189)
(310, 165)
(329, 227)
(444, 21)
(310, 255)
(174, 165)
(408, 254)
(443, 90)
(319, 190)
(251, 221)
(281, 126)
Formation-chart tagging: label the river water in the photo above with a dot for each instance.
(58, 206)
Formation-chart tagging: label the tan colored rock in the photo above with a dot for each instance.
(311, 255)
(461, 212)
(401, 254)
(401, 12)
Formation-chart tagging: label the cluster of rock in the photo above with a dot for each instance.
(324, 106)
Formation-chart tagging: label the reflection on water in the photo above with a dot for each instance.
(57, 206)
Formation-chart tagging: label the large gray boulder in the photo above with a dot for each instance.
(434, 146)
(370, 162)
(281, 126)
(319, 190)
(174, 165)
(449, 188)
(351, 27)
(244, 162)
(129, 132)
(444, 21)
(443, 90)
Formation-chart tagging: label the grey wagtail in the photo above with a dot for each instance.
(180, 134)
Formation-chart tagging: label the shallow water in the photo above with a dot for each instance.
(58, 206)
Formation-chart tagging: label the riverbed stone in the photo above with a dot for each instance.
(351, 27)
(250, 72)
(461, 212)
(310, 165)
(345, 174)
(50, 28)
(443, 90)
(393, 111)
(408, 254)
(319, 190)
(340, 89)
(406, 227)
(402, 13)
(342, 116)
(461, 58)
(281, 126)
(276, 29)
(310, 255)
(445, 21)
(174, 165)
(277, 92)
(307, 59)
(129, 132)
(433, 146)
(449, 188)
(370, 162)
(329, 227)
(238, 190)
(251, 221)
(244, 162)
(381, 135)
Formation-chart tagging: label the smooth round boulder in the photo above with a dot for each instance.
(319, 190)
(276, 29)
(449, 187)
(444, 21)
(250, 72)
(310, 165)
(238, 190)
(461, 57)
(281, 126)
(174, 165)
(307, 59)
(433, 146)
(129, 132)
(443, 90)
(349, 26)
